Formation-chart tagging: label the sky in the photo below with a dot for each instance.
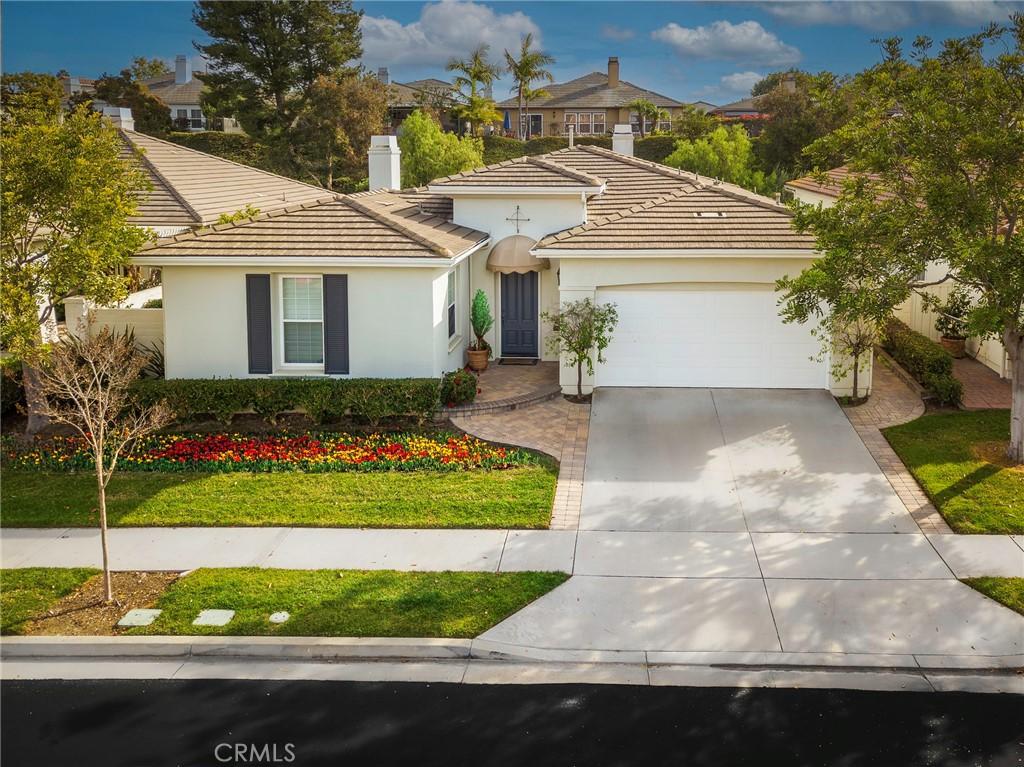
(710, 51)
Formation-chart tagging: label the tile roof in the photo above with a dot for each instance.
(530, 171)
(193, 188)
(371, 225)
(170, 92)
(749, 104)
(592, 91)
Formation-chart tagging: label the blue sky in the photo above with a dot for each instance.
(688, 50)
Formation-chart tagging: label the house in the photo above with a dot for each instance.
(988, 351)
(405, 98)
(379, 283)
(703, 106)
(591, 104)
(181, 90)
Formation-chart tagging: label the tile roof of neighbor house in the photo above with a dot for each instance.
(833, 185)
(592, 92)
(749, 104)
(171, 92)
(192, 188)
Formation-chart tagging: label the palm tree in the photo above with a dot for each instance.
(528, 95)
(646, 110)
(474, 72)
(526, 70)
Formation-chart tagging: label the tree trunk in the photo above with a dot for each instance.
(579, 380)
(33, 400)
(856, 371)
(101, 489)
(1014, 343)
(520, 116)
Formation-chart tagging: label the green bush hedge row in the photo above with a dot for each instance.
(929, 364)
(370, 400)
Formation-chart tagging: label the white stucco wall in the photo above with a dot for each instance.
(393, 321)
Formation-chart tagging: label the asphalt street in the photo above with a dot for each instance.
(155, 723)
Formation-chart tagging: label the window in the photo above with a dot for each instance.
(450, 303)
(302, 315)
(665, 126)
(599, 123)
(570, 119)
(634, 120)
(197, 119)
(587, 123)
(584, 123)
(532, 123)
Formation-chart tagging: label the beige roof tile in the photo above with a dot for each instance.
(592, 92)
(539, 171)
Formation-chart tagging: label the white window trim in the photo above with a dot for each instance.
(280, 321)
(452, 278)
(524, 122)
(593, 122)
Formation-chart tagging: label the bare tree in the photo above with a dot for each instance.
(85, 384)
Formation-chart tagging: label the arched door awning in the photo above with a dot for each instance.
(512, 255)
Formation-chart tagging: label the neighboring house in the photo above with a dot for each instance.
(405, 98)
(748, 111)
(380, 283)
(181, 90)
(989, 351)
(703, 106)
(591, 104)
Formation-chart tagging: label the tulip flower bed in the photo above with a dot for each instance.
(310, 453)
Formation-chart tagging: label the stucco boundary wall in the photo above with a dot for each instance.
(82, 317)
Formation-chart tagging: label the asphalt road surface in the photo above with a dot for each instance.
(342, 724)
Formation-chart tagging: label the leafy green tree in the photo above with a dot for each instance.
(581, 330)
(150, 113)
(770, 82)
(936, 140)
(646, 111)
(691, 123)
(530, 67)
(265, 59)
(145, 69)
(333, 131)
(68, 195)
(428, 152)
(475, 75)
(727, 154)
(30, 97)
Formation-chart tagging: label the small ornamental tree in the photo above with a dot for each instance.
(429, 153)
(481, 319)
(84, 384)
(581, 330)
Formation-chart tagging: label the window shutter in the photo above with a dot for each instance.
(336, 323)
(257, 308)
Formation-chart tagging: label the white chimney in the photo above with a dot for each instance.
(385, 163)
(622, 139)
(383, 75)
(182, 69)
(121, 117)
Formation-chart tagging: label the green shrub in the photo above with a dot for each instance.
(500, 148)
(154, 303)
(458, 388)
(370, 400)
(655, 148)
(925, 360)
(12, 393)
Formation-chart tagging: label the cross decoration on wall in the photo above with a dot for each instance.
(518, 218)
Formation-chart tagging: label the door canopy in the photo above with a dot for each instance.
(512, 255)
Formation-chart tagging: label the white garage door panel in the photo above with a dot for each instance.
(707, 338)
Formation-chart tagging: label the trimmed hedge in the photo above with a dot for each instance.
(929, 364)
(655, 148)
(370, 400)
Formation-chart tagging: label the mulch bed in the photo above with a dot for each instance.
(84, 613)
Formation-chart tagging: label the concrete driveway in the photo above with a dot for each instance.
(731, 460)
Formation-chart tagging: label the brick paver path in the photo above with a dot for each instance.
(983, 388)
(892, 402)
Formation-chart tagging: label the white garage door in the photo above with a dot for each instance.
(723, 338)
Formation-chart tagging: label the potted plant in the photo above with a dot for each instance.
(480, 317)
(951, 323)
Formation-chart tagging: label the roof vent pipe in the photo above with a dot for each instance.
(385, 163)
(622, 139)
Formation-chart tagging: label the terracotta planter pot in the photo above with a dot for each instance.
(954, 346)
(478, 359)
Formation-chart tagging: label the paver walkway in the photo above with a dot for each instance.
(983, 388)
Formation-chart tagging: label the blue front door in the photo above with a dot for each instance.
(519, 303)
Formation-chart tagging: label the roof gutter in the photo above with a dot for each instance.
(676, 253)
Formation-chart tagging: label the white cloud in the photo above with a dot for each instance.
(620, 34)
(879, 15)
(740, 82)
(745, 41)
(444, 30)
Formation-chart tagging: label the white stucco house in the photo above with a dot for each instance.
(988, 351)
(379, 283)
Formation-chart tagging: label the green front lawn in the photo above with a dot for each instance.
(29, 592)
(1006, 591)
(518, 498)
(348, 602)
(955, 457)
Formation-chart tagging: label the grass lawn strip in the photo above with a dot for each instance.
(507, 498)
(1006, 591)
(955, 457)
(29, 592)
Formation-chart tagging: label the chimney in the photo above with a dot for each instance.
(383, 75)
(613, 71)
(789, 83)
(385, 163)
(182, 69)
(121, 117)
(622, 139)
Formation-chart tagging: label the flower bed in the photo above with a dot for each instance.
(311, 452)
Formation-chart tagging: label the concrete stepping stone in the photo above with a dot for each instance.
(214, 618)
(139, 617)
(279, 617)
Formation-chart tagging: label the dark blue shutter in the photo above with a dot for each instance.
(257, 308)
(336, 323)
